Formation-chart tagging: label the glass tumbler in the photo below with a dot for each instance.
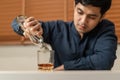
(45, 60)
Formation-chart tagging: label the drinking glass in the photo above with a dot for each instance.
(45, 60)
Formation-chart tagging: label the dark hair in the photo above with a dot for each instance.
(103, 4)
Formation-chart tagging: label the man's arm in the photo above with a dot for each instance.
(16, 27)
(103, 57)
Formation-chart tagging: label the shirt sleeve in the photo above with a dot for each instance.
(16, 27)
(50, 30)
(103, 54)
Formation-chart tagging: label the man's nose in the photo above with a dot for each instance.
(83, 20)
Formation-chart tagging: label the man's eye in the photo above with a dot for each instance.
(79, 12)
(91, 17)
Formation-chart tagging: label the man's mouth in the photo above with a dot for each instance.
(81, 27)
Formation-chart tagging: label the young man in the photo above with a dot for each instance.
(87, 43)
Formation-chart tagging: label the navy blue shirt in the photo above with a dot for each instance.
(95, 51)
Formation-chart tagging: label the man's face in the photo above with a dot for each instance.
(86, 17)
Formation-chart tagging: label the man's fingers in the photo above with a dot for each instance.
(32, 27)
(26, 33)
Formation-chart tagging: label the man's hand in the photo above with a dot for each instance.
(33, 27)
(60, 68)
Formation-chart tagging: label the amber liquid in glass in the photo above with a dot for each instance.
(45, 67)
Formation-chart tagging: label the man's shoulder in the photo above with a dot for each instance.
(64, 22)
(59, 22)
(104, 26)
(106, 22)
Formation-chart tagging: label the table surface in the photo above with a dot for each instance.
(60, 75)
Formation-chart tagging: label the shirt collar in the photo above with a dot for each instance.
(76, 32)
